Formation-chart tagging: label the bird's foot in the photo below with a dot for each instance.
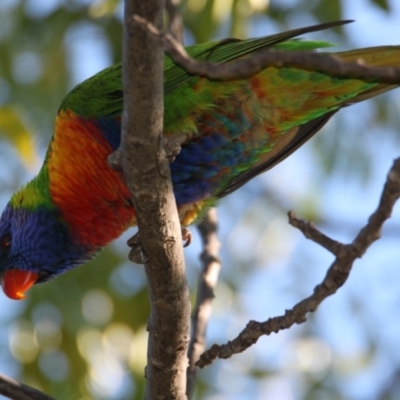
(172, 145)
(115, 160)
(186, 236)
(138, 256)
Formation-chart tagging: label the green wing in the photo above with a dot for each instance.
(231, 49)
(102, 94)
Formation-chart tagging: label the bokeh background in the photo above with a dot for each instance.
(83, 336)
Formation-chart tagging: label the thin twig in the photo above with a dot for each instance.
(175, 24)
(336, 275)
(311, 232)
(18, 391)
(205, 294)
(245, 68)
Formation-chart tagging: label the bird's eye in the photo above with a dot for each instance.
(6, 241)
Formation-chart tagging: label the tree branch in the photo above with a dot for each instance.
(147, 174)
(18, 391)
(336, 275)
(205, 294)
(175, 25)
(245, 68)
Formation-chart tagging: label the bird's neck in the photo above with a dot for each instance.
(35, 194)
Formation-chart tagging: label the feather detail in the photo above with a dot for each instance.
(93, 199)
(234, 130)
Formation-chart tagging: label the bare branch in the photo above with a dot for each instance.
(245, 68)
(146, 167)
(18, 391)
(205, 294)
(208, 231)
(334, 279)
(175, 25)
(311, 232)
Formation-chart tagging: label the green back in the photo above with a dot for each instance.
(102, 94)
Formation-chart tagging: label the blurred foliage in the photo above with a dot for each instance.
(83, 336)
(14, 130)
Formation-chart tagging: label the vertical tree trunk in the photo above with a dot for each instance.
(147, 173)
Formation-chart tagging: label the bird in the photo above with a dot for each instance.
(233, 131)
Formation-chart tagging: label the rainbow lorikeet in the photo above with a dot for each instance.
(235, 130)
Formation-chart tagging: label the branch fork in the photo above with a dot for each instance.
(335, 277)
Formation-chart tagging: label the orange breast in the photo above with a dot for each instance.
(93, 199)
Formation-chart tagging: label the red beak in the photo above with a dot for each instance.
(16, 282)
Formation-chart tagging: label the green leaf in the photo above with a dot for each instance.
(382, 4)
(15, 131)
(103, 8)
(329, 11)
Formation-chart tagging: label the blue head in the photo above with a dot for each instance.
(35, 246)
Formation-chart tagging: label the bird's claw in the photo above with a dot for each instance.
(186, 236)
(172, 145)
(137, 254)
(115, 160)
(173, 152)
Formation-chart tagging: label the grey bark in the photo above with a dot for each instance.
(147, 174)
